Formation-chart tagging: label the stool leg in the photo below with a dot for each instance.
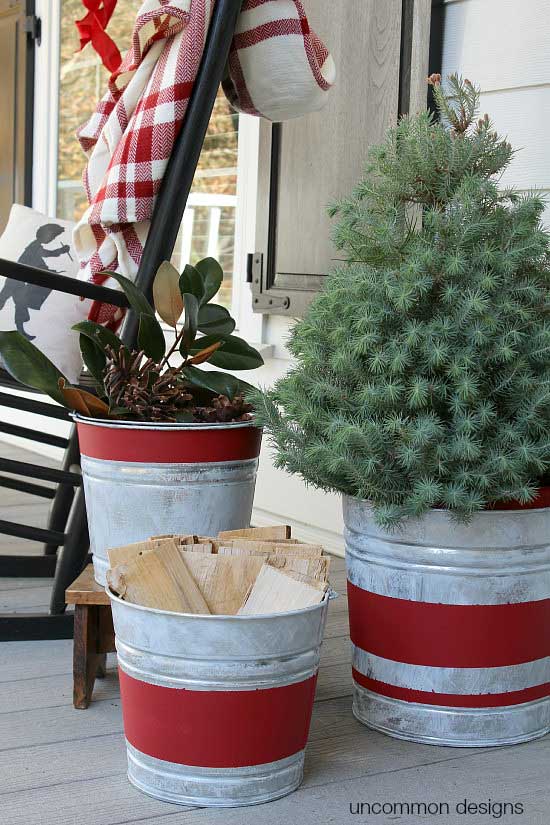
(86, 659)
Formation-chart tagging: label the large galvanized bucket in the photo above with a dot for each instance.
(450, 625)
(145, 479)
(216, 708)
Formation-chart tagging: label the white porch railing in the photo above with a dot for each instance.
(70, 194)
(214, 203)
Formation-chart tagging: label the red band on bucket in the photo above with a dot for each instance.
(542, 499)
(453, 700)
(216, 729)
(449, 635)
(169, 446)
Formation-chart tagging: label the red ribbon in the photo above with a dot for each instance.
(91, 29)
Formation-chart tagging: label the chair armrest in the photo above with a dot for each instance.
(61, 283)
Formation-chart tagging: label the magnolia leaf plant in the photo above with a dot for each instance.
(422, 372)
(143, 383)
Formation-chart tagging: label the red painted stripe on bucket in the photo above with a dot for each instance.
(449, 635)
(169, 446)
(216, 729)
(453, 700)
(542, 499)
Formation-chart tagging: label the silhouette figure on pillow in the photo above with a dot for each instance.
(29, 296)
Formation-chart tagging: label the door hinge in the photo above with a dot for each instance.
(32, 24)
(262, 300)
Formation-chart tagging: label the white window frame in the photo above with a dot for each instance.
(46, 108)
(45, 151)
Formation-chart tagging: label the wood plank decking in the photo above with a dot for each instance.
(60, 766)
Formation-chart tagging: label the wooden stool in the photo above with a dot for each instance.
(94, 635)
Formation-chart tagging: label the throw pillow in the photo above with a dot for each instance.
(42, 315)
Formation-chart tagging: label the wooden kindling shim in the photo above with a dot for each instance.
(301, 565)
(122, 555)
(158, 578)
(276, 592)
(223, 581)
(197, 548)
(238, 547)
(276, 532)
(306, 569)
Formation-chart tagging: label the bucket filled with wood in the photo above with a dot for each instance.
(218, 643)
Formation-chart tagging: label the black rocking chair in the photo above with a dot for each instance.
(66, 541)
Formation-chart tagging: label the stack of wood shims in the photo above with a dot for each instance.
(254, 571)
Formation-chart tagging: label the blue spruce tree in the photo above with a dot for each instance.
(422, 374)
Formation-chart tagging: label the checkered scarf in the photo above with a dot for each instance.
(278, 69)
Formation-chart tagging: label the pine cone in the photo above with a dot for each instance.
(141, 388)
(223, 410)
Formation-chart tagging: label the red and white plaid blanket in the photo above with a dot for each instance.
(278, 69)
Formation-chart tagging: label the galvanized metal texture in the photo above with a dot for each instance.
(466, 681)
(452, 727)
(204, 652)
(214, 787)
(217, 656)
(162, 426)
(129, 501)
(498, 568)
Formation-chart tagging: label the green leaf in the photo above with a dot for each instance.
(101, 336)
(191, 318)
(93, 357)
(150, 334)
(191, 283)
(166, 293)
(215, 320)
(151, 337)
(220, 383)
(236, 354)
(29, 366)
(136, 298)
(212, 277)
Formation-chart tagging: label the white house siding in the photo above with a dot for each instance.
(504, 47)
(314, 515)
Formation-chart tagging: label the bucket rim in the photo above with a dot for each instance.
(488, 511)
(328, 596)
(163, 426)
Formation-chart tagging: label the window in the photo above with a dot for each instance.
(209, 223)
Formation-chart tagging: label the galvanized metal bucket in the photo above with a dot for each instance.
(216, 708)
(450, 625)
(144, 479)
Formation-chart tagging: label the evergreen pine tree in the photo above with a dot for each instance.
(422, 374)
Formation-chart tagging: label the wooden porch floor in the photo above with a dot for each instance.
(60, 766)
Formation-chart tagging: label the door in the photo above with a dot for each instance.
(17, 29)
